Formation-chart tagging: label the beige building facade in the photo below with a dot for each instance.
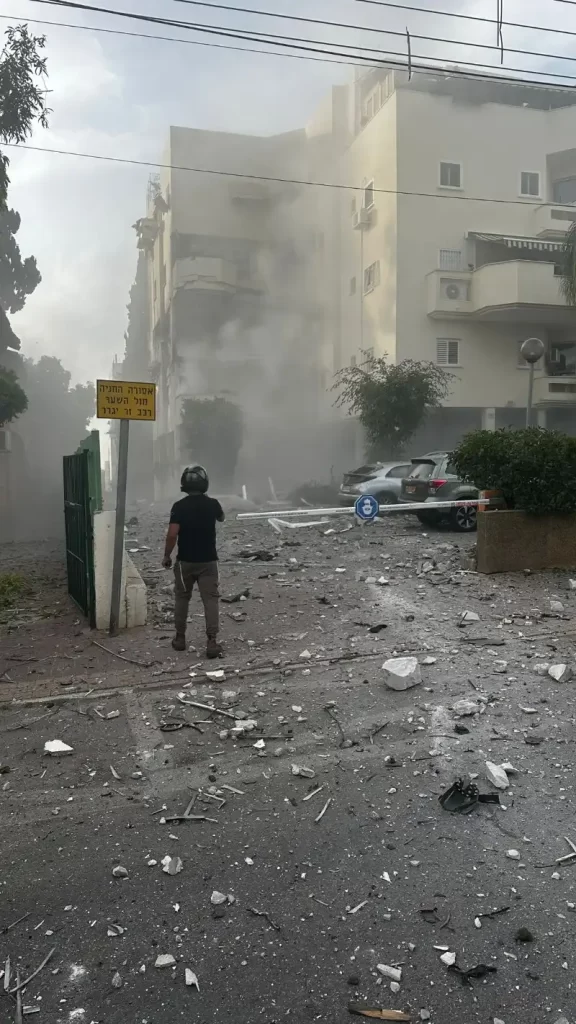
(432, 231)
(456, 261)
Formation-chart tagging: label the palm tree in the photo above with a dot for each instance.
(568, 266)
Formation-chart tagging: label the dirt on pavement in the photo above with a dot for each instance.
(307, 904)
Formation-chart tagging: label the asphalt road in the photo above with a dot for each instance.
(312, 906)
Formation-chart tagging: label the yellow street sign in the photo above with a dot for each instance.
(125, 400)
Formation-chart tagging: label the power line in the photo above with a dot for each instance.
(469, 17)
(271, 178)
(295, 43)
(186, 42)
(371, 28)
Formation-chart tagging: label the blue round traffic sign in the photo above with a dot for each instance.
(366, 507)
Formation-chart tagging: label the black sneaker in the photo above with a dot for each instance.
(179, 642)
(213, 648)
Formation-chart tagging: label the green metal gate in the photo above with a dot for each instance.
(79, 532)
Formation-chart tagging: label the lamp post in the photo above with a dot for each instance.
(531, 350)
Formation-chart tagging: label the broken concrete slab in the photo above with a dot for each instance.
(402, 673)
(496, 775)
(561, 673)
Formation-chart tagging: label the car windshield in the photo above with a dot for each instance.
(422, 470)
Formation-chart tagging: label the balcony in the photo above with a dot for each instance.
(555, 391)
(204, 272)
(512, 291)
(552, 221)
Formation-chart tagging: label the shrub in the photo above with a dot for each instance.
(534, 469)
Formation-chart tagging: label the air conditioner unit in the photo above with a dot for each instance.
(455, 291)
(361, 218)
(5, 440)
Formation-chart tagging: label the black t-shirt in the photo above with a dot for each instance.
(196, 515)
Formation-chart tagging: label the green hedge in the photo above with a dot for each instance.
(534, 469)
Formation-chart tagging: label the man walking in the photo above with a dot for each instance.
(193, 527)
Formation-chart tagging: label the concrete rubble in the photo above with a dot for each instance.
(271, 838)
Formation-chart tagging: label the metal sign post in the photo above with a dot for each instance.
(124, 401)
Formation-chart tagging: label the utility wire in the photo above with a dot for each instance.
(295, 42)
(370, 28)
(271, 178)
(187, 42)
(469, 17)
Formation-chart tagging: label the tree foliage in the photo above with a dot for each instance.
(22, 92)
(534, 469)
(18, 277)
(13, 401)
(213, 431)
(568, 266)
(391, 401)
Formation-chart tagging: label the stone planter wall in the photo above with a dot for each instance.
(510, 541)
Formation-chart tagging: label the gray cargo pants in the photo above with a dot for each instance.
(205, 574)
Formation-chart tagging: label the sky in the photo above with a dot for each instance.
(116, 95)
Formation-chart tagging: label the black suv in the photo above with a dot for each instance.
(434, 479)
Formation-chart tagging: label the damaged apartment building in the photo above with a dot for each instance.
(439, 241)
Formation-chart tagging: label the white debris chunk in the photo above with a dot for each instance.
(395, 987)
(305, 655)
(424, 1014)
(498, 1021)
(561, 673)
(556, 607)
(303, 771)
(119, 872)
(465, 708)
(429, 660)
(260, 744)
(165, 960)
(394, 973)
(500, 667)
(449, 959)
(401, 673)
(117, 980)
(191, 979)
(171, 865)
(496, 775)
(217, 898)
(218, 676)
(57, 747)
(477, 922)
(542, 668)
(469, 616)
(513, 854)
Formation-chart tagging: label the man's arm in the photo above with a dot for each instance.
(171, 538)
(219, 512)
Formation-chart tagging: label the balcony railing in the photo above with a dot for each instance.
(499, 290)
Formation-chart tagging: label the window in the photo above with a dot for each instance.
(447, 352)
(372, 276)
(369, 195)
(399, 472)
(530, 183)
(450, 175)
(564, 191)
(450, 259)
(352, 286)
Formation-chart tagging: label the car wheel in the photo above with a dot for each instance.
(386, 499)
(464, 518)
(428, 518)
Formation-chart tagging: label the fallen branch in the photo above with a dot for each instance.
(323, 811)
(206, 707)
(22, 984)
(9, 927)
(262, 913)
(131, 661)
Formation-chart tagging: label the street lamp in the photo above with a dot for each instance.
(531, 350)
